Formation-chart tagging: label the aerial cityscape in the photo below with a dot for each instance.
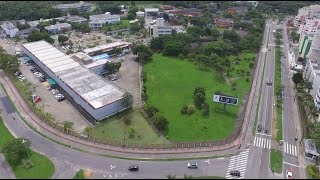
(159, 89)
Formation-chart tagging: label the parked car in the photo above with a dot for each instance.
(193, 165)
(235, 173)
(259, 128)
(49, 88)
(289, 174)
(18, 73)
(54, 91)
(133, 168)
(42, 79)
(113, 77)
(266, 131)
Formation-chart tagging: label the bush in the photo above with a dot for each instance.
(160, 122)
(144, 96)
(144, 76)
(199, 99)
(27, 163)
(151, 111)
(127, 121)
(131, 132)
(191, 109)
(144, 88)
(313, 171)
(184, 109)
(251, 65)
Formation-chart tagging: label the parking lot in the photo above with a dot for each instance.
(128, 77)
(62, 111)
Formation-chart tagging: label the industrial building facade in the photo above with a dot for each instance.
(95, 95)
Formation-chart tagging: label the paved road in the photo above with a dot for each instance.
(290, 118)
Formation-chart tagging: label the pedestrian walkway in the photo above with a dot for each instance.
(238, 162)
(262, 142)
(290, 149)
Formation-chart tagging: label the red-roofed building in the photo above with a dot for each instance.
(166, 7)
(224, 22)
(187, 12)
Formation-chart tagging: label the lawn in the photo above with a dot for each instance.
(115, 129)
(43, 168)
(79, 175)
(242, 66)
(170, 85)
(278, 93)
(275, 157)
(123, 24)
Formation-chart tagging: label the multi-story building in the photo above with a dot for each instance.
(140, 14)
(58, 28)
(305, 42)
(97, 21)
(160, 28)
(9, 29)
(309, 26)
(309, 12)
(76, 19)
(81, 7)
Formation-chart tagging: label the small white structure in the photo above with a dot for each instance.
(140, 14)
(151, 11)
(9, 29)
(160, 28)
(97, 21)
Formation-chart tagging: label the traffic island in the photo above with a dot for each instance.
(82, 174)
(276, 161)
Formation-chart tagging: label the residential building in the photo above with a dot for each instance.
(224, 22)
(161, 28)
(140, 14)
(151, 11)
(23, 34)
(97, 21)
(76, 19)
(33, 24)
(81, 7)
(166, 7)
(305, 42)
(9, 29)
(87, 91)
(58, 28)
(309, 26)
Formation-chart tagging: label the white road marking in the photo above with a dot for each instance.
(264, 134)
(295, 150)
(291, 164)
(254, 142)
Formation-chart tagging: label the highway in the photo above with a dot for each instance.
(290, 120)
(258, 166)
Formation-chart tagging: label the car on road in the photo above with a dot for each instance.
(133, 168)
(289, 174)
(259, 128)
(266, 131)
(192, 165)
(235, 173)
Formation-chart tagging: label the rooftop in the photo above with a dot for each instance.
(151, 9)
(310, 146)
(106, 46)
(75, 18)
(75, 5)
(8, 26)
(93, 89)
(59, 25)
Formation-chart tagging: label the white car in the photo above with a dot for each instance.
(54, 91)
(289, 174)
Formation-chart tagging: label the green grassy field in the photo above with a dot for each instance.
(275, 157)
(170, 85)
(278, 92)
(124, 24)
(43, 167)
(242, 66)
(115, 129)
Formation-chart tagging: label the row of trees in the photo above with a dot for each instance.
(82, 27)
(158, 120)
(37, 36)
(8, 63)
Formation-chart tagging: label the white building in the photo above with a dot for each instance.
(140, 14)
(58, 28)
(151, 11)
(97, 21)
(309, 27)
(81, 7)
(160, 28)
(9, 29)
(309, 12)
(88, 91)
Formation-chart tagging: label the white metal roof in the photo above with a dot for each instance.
(91, 87)
(106, 46)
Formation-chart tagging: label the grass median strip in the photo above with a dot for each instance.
(278, 93)
(276, 161)
(42, 166)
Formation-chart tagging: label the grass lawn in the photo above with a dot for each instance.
(242, 66)
(123, 24)
(278, 93)
(276, 156)
(79, 175)
(115, 129)
(43, 168)
(170, 85)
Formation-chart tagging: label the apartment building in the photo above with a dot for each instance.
(81, 7)
(160, 28)
(309, 26)
(97, 21)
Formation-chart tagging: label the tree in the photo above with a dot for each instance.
(127, 100)
(67, 125)
(231, 35)
(14, 151)
(62, 39)
(160, 122)
(297, 78)
(116, 50)
(112, 67)
(166, 17)
(144, 52)
(184, 109)
(131, 132)
(73, 11)
(172, 48)
(37, 36)
(201, 90)
(150, 110)
(199, 99)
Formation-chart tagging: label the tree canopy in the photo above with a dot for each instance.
(37, 36)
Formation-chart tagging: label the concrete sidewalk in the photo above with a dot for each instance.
(5, 170)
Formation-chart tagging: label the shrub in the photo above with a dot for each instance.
(160, 122)
(199, 99)
(127, 121)
(144, 76)
(234, 85)
(131, 132)
(191, 109)
(184, 109)
(151, 111)
(251, 65)
(144, 96)
(313, 171)
(144, 88)
(27, 163)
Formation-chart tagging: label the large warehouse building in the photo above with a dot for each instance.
(95, 95)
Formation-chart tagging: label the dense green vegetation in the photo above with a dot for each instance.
(276, 161)
(170, 84)
(313, 172)
(284, 7)
(42, 167)
(79, 175)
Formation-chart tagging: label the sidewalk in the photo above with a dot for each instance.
(5, 169)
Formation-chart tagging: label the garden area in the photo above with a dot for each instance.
(129, 126)
(170, 84)
(123, 24)
(25, 164)
(276, 161)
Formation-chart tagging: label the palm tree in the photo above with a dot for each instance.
(171, 177)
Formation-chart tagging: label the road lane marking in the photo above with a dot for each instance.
(254, 143)
(291, 164)
(264, 134)
(295, 150)
(289, 148)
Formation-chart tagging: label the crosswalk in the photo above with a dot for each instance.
(238, 162)
(290, 149)
(262, 142)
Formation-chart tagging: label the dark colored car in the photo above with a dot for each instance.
(259, 128)
(266, 131)
(235, 173)
(133, 168)
(18, 73)
(42, 79)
